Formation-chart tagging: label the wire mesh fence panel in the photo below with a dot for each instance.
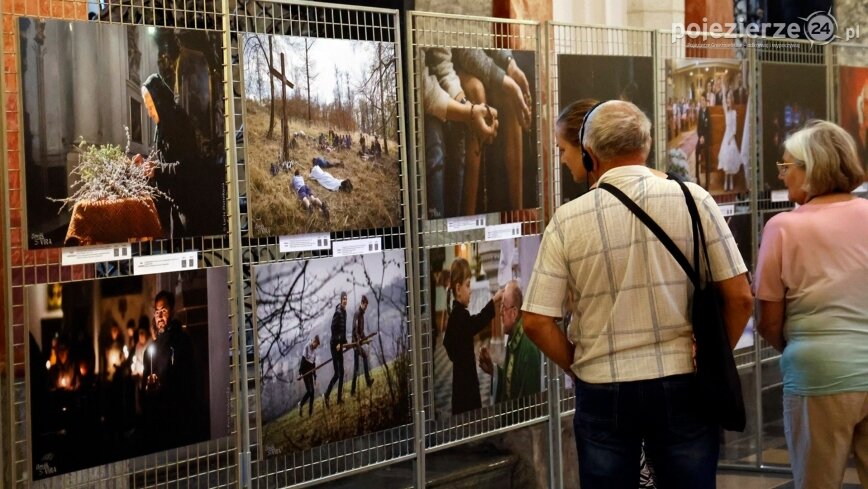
(848, 75)
(321, 162)
(79, 133)
(485, 211)
(589, 64)
(785, 106)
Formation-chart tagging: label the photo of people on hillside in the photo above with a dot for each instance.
(320, 134)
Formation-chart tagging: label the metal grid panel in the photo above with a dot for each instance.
(843, 56)
(324, 21)
(733, 48)
(567, 39)
(671, 49)
(209, 464)
(436, 30)
(771, 52)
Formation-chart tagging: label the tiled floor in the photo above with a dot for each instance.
(730, 479)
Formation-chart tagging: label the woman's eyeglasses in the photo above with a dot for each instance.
(784, 166)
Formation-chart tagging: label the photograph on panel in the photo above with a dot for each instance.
(708, 124)
(123, 132)
(791, 95)
(124, 367)
(741, 228)
(595, 79)
(321, 134)
(480, 130)
(333, 341)
(481, 355)
(853, 106)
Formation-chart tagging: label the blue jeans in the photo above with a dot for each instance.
(444, 166)
(611, 421)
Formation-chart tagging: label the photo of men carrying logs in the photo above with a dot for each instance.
(332, 342)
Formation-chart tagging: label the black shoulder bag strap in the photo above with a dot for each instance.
(697, 225)
(692, 272)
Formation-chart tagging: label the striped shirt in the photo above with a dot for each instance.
(630, 316)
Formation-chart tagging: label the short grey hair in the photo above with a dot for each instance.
(517, 296)
(617, 128)
(829, 155)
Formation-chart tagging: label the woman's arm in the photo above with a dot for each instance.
(771, 323)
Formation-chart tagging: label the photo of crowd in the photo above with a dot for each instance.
(333, 349)
(785, 107)
(481, 354)
(853, 106)
(124, 168)
(708, 123)
(480, 130)
(629, 78)
(127, 366)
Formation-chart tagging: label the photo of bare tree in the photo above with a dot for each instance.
(321, 134)
(333, 349)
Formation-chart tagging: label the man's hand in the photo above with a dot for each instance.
(515, 98)
(139, 160)
(485, 362)
(515, 75)
(483, 122)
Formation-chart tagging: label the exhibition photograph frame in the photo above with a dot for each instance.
(121, 170)
(485, 336)
(126, 367)
(296, 302)
(480, 120)
(322, 153)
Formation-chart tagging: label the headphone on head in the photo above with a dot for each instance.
(587, 161)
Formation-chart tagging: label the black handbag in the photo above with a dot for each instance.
(716, 373)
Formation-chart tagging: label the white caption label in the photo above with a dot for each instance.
(465, 223)
(502, 231)
(780, 196)
(173, 262)
(82, 255)
(727, 209)
(861, 189)
(304, 242)
(356, 247)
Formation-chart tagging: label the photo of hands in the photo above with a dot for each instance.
(480, 130)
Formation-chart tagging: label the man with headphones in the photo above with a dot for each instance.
(629, 343)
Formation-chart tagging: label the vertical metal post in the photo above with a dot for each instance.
(414, 244)
(6, 406)
(545, 50)
(239, 336)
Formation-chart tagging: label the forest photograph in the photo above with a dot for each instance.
(333, 343)
(321, 134)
